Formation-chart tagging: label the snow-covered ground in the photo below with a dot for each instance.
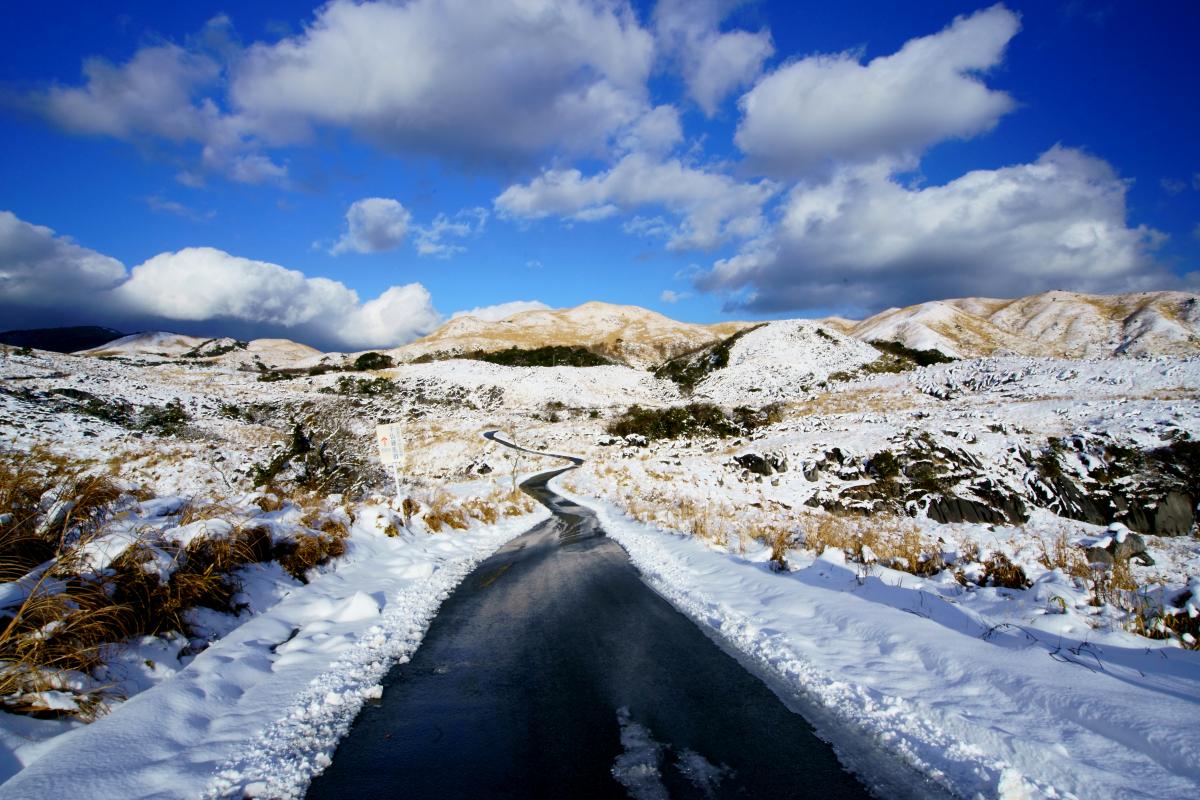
(987, 691)
(261, 710)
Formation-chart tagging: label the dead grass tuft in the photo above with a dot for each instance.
(444, 512)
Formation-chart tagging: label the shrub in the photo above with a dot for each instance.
(674, 422)
(550, 356)
(884, 465)
(369, 362)
(922, 358)
(166, 420)
(999, 570)
(373, 387)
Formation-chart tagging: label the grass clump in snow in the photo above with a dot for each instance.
(47, 505)
(444, 510)
(76, 578)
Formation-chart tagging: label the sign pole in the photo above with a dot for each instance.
(390, 437)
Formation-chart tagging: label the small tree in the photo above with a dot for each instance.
(372, 361)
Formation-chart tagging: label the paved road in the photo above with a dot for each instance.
(554, 671)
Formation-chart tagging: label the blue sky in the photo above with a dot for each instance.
(176, 165)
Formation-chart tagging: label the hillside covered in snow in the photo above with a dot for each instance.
(1062, 324)
(980, 571)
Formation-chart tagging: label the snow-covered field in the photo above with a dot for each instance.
(887, 628)
(986, 692)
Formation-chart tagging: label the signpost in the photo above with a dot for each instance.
(390, 438)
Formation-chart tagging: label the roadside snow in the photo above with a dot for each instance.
(263, 708)
(982, 709)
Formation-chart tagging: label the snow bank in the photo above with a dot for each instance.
(261, 711)
(978, 709)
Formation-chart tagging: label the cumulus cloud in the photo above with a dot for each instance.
(505, 79)
(656, 131)
(671, 296)
(41, 269)
(712, 208)
(168, 92)
(373, 225)
(863, 241)
(482, 83)
(501, 310)
(203, 283)
(46, 279)
(713, 64)
(827, 109)
(152, 94)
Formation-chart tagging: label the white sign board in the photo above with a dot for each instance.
(391, 443)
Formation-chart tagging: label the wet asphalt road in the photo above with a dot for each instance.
(519, 686)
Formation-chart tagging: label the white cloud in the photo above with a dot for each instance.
(650, 227)
(373, 225)
(505, 79)
(47, 279)
(863, 241)
(670, 296)
(832, 108)
(483, 83)
(165, 92)
(1172, 185)
(430, 239)
(713, 208)
(501, 310)
(153, 94)
(41, 269)
(712, 63)
(166, 206)
(203, 283)
(656, 131)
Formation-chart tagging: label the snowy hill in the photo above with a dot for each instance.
(271, 353)
(1058, 324)
(632, 335)
(775, 361)
(148, 343)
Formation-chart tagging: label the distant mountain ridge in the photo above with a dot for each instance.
(163, 344)
(1057, 323)
(60, 340)
(629, 334)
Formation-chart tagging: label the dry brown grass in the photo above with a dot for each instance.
(1063, 555)
(309, 550)
(853, 401)
(51, 507)
(47, 505)
(444, 512)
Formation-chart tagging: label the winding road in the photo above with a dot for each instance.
(555, 671)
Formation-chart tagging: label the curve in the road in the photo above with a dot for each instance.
(555, 671)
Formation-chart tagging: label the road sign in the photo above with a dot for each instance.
(390, 438)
